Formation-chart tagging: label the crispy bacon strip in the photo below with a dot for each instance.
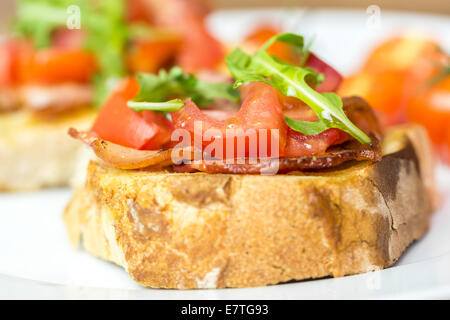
(335, 156)
(121, 157)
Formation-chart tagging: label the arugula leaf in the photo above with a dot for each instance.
(176, 84)
(294, 81)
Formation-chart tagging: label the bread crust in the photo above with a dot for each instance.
(172, 230)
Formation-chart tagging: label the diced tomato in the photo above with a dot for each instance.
(164, 130)
(260, 110)
(150, 56)
(332, 78)
(121, 125)
(50, 66)
(296, 109)
(300, 145)
(219, 114)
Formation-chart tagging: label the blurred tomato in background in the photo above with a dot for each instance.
(407, 79)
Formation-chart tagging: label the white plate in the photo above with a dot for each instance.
(36, 260)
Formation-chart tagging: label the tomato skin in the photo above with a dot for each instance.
(164, 132)
(300, 145)
(150, 56)
(260, 110)
(332, 78)
(121, 125)
(56, 65)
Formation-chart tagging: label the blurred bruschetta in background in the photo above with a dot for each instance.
(53, 77)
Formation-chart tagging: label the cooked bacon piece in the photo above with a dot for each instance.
(121, 157)
(55, 99)
(362, 115)
(335, 156)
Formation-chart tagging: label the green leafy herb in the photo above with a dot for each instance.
(169, 106)
(294, 81)
(155, 89)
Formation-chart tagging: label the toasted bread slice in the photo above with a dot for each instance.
(172, 230)
(36, 153)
